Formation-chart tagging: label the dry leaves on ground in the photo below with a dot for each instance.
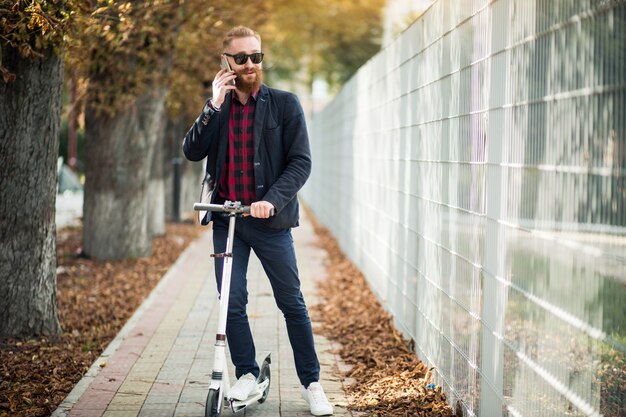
(95, 299)
(389, 379)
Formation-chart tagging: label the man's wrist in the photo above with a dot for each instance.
(215, 106)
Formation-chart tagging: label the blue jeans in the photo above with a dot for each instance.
(275, 250)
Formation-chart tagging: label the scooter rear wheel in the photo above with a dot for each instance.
(263, 375)
(212, 410)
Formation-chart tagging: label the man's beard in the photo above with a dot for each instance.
(247, 86)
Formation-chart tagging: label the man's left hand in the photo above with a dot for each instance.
(261, 209)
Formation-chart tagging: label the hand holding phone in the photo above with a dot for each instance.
(220, 86)
(225, 65)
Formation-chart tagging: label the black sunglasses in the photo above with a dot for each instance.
(241, 59)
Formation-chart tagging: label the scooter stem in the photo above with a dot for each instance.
(226, 273)
(219, 377)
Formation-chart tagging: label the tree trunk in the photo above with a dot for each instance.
(30, 113)
(118, 158)
(156, 188)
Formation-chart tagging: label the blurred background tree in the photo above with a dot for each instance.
(123, 53)
(325, 39)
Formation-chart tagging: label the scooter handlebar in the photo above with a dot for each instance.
(228, 207)
(220, 207)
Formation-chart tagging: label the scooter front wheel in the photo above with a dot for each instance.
(212, 400)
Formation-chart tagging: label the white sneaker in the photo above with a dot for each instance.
(315, 396)
(243, 387)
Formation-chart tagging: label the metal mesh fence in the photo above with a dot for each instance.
(475, 171)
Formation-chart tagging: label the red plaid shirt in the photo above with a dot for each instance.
(237, 182)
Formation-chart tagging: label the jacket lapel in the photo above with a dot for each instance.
(223, 138)
(259, 116)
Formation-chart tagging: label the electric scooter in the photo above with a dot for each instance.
(219, 386)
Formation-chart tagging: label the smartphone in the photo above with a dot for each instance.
(225, 65)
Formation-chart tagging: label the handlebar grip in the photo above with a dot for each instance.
(246, 210)
(207, 207)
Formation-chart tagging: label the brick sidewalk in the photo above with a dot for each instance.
(159, 365)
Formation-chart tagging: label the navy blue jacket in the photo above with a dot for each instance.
(282, 156)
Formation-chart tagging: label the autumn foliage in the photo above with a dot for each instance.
(32, 27)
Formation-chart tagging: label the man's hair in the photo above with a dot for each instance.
(239, 32)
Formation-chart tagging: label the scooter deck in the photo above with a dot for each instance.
(237, 405)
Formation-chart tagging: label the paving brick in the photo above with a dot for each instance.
(162, 398)
(191, 395)
(131, 386)
(94, 400)
(189, 410)
(124, 401)
(121, 413)
(166, 387)
(158, 410)
(85, 413)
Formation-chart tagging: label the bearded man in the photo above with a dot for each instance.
(257, 149)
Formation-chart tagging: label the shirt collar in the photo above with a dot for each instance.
(253, 95)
